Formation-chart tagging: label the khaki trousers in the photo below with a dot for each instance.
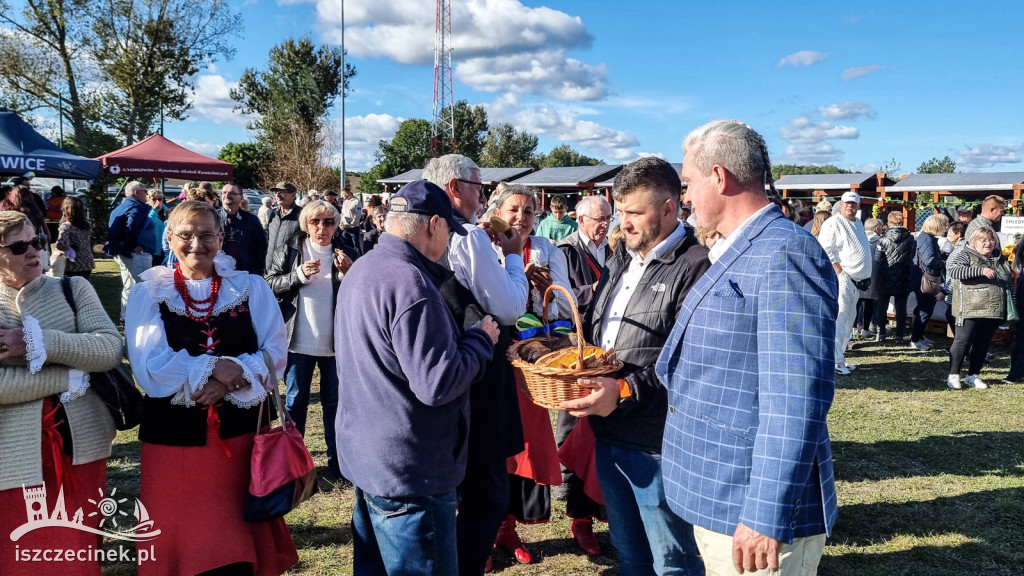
(797, 559)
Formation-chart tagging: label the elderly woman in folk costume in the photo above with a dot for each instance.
(533, 471)
(202, 340)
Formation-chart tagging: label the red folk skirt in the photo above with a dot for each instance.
(81, 484)
(196, 495)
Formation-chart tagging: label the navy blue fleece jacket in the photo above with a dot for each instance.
(405, 369)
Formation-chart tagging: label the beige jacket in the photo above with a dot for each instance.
(96, 348)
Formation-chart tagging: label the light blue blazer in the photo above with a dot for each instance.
(749, 369)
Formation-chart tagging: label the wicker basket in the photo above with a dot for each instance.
(548, 387)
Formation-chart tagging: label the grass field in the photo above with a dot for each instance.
(931, 481)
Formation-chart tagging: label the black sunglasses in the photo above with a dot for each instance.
(20, 247)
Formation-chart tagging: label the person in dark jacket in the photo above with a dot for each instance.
(284, 220)
(929, 260)
(894, 258)
(634, 309)
(586, 249)
(244, 238)
(305, 277)
(980, 283)
(124, 228)
(403, 420)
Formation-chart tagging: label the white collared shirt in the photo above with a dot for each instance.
(623, 291)
(596, 250)
(725, 241)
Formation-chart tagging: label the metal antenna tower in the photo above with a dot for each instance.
(442, 131)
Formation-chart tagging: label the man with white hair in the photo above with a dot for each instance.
(482, 286)
(126, 224)
(846, 243)
(587, 248)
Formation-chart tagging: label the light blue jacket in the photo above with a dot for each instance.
(750, 377)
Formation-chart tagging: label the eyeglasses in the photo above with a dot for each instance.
(281, 192)
(20, 247)
(474, 183)
(602, 220)
(325, 222)
(204, 238)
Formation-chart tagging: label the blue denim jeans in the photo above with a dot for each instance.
(650, 538)
(298, 377)
(404, 536)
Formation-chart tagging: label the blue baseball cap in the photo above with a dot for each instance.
(425, 197)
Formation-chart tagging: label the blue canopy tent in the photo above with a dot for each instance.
(22, 150)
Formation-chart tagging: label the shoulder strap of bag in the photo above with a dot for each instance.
(65, 284)
(274, 393)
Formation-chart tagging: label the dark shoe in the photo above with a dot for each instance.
(879, 337)
(509, 540)
(582, 530)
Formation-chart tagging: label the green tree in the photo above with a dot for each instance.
(779, 170)
(248, 159)
(151, 50)
(111, 63)
(470, 129)
(936, 166)
(506, 147)
(564, 155)
(301, 83)
(408, 149)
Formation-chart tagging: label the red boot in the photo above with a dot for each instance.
(582, 530)
(509, 540)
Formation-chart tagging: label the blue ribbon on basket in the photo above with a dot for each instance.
(529, 326)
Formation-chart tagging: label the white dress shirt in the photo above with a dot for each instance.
(623, 291)
(596, 250)
(501, 291)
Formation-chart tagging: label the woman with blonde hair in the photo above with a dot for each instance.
(930, 261)
(305, 277)
(204, 341)
(55, 431)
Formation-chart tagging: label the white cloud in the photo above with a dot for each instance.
(802, 58)
(988, 155)
(848, 110)
(858, 71)
(544, 73)
(362, 134)
(809, 140)
(213, 101)
(545, 120)
(498, 44)
(208, 148)
(815, 153)
(803, 130)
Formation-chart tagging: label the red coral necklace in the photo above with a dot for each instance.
(199, 310)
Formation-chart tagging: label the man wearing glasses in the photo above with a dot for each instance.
(284, 221)
(124, 228)
(244, 239)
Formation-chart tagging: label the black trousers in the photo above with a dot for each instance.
(972, 340)
(483, 506)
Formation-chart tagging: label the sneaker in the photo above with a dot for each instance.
(974, 381)
(927, 340)
(953, 382)
(919, 345)
(842, 369)
(849, 366)
(879, 337)
(865, 334)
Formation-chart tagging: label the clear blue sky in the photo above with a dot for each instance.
(851, 84)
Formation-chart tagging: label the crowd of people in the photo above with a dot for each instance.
(707, 452)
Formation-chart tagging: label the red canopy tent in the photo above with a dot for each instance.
(158, 157)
